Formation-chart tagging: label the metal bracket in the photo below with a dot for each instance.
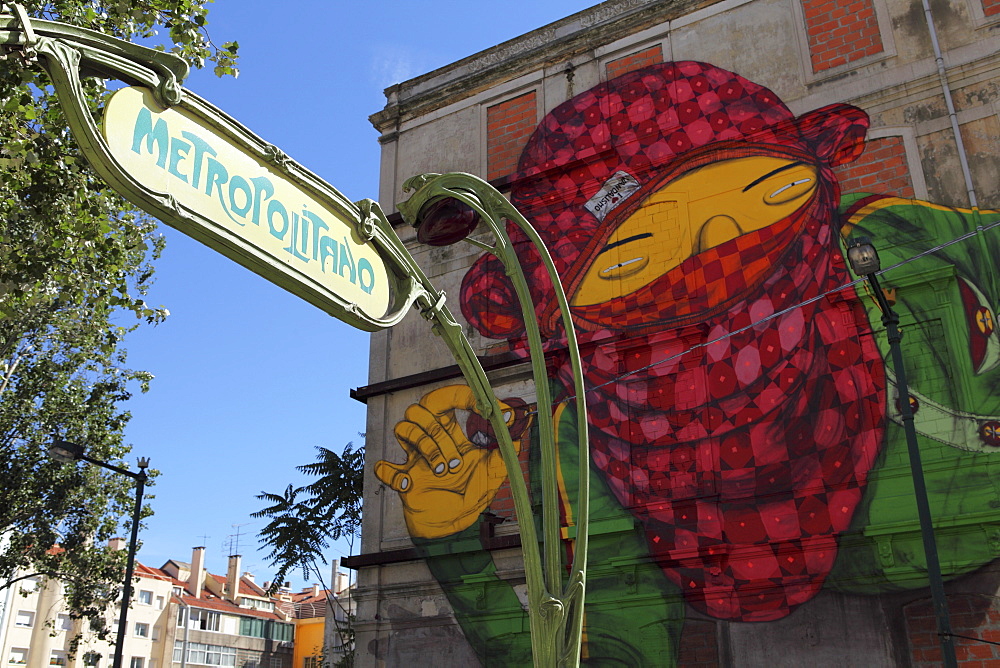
(26, 50)
(367, 226)
(886, 557)
(431, 311)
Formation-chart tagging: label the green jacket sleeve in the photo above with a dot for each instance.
(940, 266)
(486, 606)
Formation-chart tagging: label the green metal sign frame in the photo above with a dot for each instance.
(69, 54)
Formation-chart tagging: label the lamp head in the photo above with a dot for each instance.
(863, 256)
(445, 221)
(64, 451)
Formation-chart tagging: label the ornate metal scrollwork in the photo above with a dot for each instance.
(276, 156)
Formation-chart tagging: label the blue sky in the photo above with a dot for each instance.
(249, 379)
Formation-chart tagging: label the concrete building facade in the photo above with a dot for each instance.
(751, 496)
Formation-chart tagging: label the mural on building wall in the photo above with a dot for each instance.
(743, 416)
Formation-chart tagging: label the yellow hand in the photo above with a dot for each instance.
(446, 480)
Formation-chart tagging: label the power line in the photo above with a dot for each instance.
(968, 235)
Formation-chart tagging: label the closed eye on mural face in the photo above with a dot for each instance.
(781, 190)
(629, 266)
(622, 242)
(625, 268)
(783, 168)
(785, 187)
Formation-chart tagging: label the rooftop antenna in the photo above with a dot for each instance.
(234, 539)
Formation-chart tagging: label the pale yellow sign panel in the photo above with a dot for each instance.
(169, 151)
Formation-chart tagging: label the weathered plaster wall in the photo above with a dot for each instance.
(437, 123)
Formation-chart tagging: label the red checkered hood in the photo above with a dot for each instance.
(744, 459)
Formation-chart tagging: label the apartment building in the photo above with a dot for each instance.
(224, 620)
(36, 630)
(180, 613)
(324, 620)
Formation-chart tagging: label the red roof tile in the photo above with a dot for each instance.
(251, 588)
(210, 601)
(222, 605)
(144, 571)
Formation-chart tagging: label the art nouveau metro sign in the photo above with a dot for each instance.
(188, 163)
(252, 208)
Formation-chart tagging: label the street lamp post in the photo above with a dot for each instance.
(65, 451)
(865, 262)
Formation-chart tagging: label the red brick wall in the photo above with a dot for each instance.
(698, 646)
(508, 126)
(650, 56)
(971, 616)
(841, 31)
(991, 7)
(881, 169)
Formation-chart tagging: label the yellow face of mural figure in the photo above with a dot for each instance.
(701, 209)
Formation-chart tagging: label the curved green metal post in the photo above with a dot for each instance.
(555, 611)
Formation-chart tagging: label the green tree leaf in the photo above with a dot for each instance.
(304, 520)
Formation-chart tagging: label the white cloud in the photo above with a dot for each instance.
(393, 65)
